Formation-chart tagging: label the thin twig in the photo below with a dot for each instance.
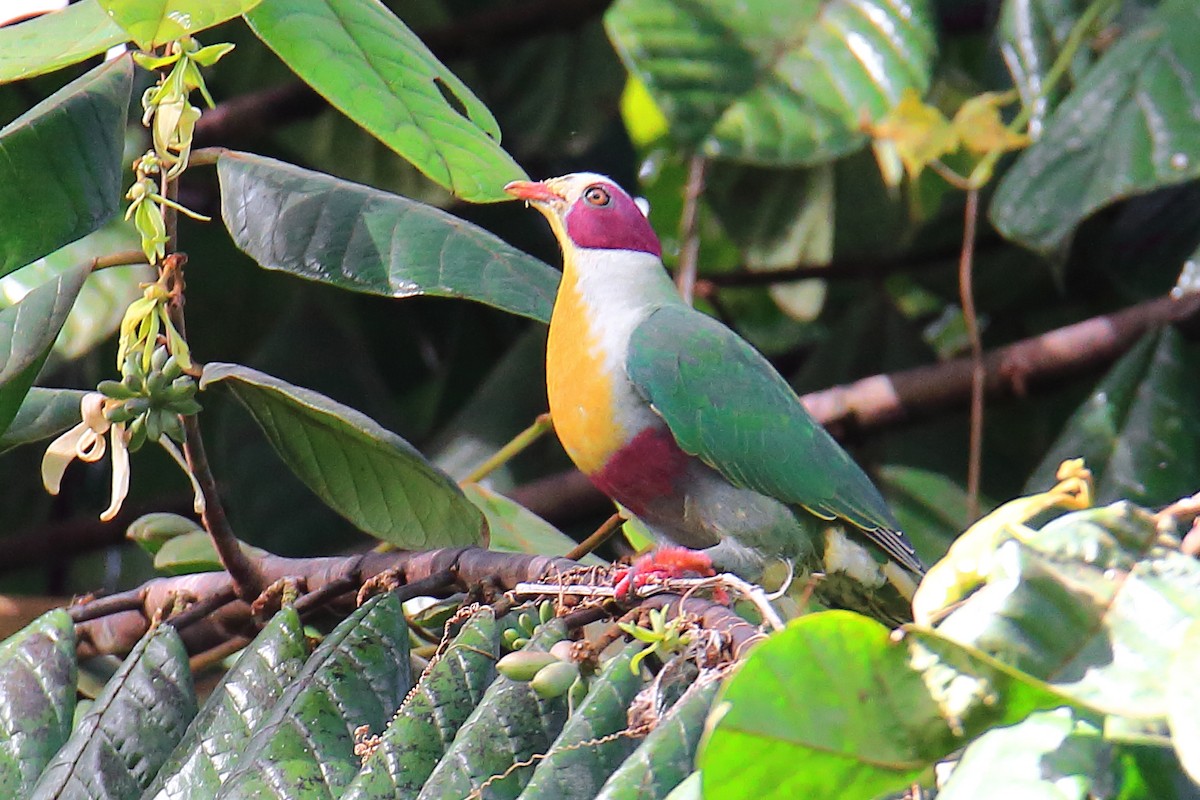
(689, 230)
(518, 443)
(122, 258)
(597, 538)
(978, 370)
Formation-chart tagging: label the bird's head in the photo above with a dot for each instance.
(590, 210)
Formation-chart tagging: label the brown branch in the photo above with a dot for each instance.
(882, 401)
(251, 116)
(114, 624)
(689, 231)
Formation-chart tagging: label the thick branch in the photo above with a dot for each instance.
(884, 400)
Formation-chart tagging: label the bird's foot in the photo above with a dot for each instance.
(663, 564)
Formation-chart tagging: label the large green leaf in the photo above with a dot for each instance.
(426, 724)
(60, 165)
(771, 83)
(210, 749)
(364, 472)
(815, 711)
(576, 766)
(37, 699)
(304, 746)
(151, 23)
(1183, 701)
(27, 332)
(1049, 755)
(43, 413)
(668, 753)
(358, 238)
(1130, 126)
(1092, 603)
(370, 66)
(509, 724)
(126, 735)
(1139, 430)
(56, 40)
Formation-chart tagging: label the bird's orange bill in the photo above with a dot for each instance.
(531, 191)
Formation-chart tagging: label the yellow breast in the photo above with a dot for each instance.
(578, 381)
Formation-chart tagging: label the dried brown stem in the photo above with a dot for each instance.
(966, 293)
(689, 230)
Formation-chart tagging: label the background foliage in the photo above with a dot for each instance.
(367, 145)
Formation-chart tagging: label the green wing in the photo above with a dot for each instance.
(726, 405)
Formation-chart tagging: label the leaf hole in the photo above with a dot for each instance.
(451, 98)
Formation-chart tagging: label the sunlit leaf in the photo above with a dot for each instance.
(157, 22)
(1183, 701)
(372, 68)
(770, 83)
(56, 40)
(358, 238)
(515, 529)
(364, 472)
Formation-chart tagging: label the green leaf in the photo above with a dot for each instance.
(56, 40)
(376, 71)
(60, 165)
(1139, 430)
(772, 84)
(427, 722)
(931, 508)
(194, 552)
(43, 413)
(516, 529)
(365, 240)
(156, 22)
(1051, 755)
(575, 767)
(1183, 701)
(128, 732)
(668, 754)
(1130, 126)
(212, 746)
(27, 332)
(37, 699)
(366, 473)
(1092, 604)
(304, 746)
(1151, 773)
(509, 724)
(105, 295)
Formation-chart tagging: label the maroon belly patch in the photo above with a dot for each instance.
(642, 471)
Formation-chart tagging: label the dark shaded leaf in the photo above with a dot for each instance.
(156, 22)
(1130, 126)
(126, 735)
(364, 472)
(60, 165)
(56, 40)
(426, 724)
(1139, 430)
(210, 749)
(43, 413)
(372, 68)
(775, 84)
(27, 332)
(304, 747)
(509, 724)
(37, 699)
(668, 754)
(1151, 773)
(931, 508)
(575, 767)
(365, 240)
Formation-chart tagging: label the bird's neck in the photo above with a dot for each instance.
(603, 296)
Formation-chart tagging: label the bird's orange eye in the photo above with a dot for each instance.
(597, 196)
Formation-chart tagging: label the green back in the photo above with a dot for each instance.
(726, 405)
